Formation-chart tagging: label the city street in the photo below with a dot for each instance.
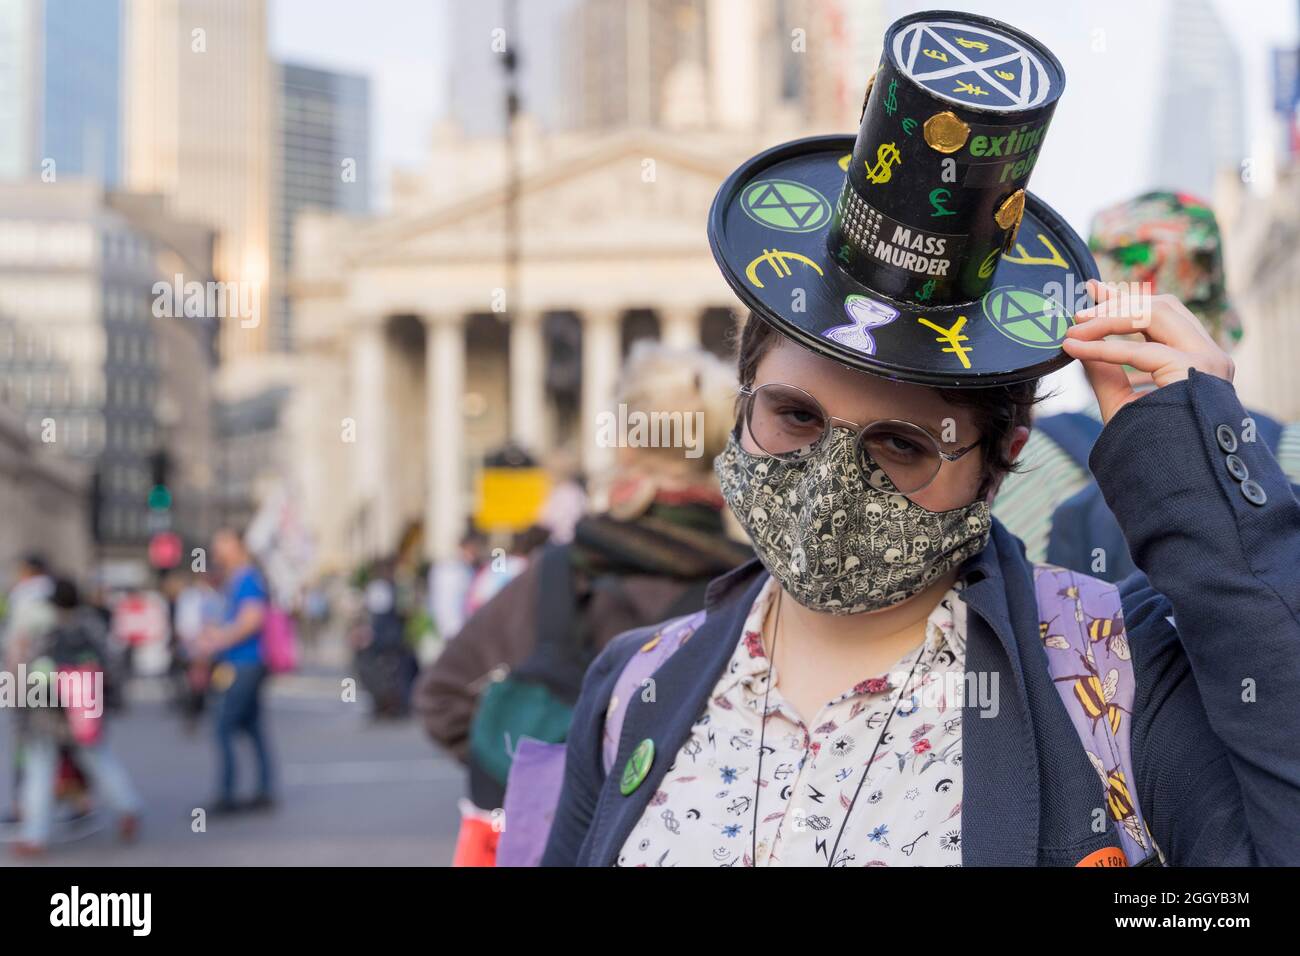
(352, 791)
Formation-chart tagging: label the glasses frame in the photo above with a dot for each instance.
(747, 393)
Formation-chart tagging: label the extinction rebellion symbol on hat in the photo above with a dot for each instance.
(784, 205)
(1027, 317)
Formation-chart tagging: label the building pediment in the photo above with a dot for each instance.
(623, 194)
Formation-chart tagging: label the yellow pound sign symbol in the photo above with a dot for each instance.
(953, 337)
(886, 156)
(936, 55)
(973, 44)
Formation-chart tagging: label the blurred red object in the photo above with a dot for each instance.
(476, 844)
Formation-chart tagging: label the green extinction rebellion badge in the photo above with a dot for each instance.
(637, 767)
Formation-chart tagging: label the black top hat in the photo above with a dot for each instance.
(916, 252)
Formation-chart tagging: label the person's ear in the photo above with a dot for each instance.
(1019, 437)
(1015, 445)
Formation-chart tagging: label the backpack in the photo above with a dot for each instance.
(536, 699)
(1081, 624)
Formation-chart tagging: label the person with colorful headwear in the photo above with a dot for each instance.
(1164, 243)
(825, 708)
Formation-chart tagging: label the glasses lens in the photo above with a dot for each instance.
(784, 421)
(906, 453)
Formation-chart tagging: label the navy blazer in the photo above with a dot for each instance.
(1216, 720)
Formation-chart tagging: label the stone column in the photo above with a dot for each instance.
(444, 389)
(679, 326)
(368, 356)
(601, 359)
(528, 382)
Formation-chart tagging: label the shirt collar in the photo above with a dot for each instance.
(945, 627)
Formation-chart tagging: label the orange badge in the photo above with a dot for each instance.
(1106, 856)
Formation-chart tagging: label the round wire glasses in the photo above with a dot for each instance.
(786, 422)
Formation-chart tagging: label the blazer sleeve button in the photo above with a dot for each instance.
(1253, 492)
(1237, 468)
(1227, 438)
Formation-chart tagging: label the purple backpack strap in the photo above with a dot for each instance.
(532, 796)
(537, 769)
(1081, 623)
(636, 671)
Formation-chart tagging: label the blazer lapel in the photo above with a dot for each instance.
(681, 688)
(1000, 776)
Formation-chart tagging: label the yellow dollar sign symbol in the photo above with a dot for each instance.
(886, 156)
(973, 44)
(936, 55)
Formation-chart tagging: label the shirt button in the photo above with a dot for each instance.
(1227, 438)
(1237, 468)
(1253, 492)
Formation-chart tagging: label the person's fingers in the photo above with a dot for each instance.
(1159, 318)
(1144, 356)
(1111, 386)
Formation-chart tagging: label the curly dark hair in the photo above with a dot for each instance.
(998, 410)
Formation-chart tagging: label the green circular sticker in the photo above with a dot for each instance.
(1027, 317)
(785, 205)
(637, 767)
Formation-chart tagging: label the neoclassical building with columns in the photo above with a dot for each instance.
(414, 362)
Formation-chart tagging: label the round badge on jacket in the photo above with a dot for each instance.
(915, 250)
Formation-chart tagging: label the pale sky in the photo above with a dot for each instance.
(1097, 152)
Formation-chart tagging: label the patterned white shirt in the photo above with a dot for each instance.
(907, 812)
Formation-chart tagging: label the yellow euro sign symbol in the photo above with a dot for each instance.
(1003, 74)
(989, 264)
(973, 44)
(936, 55)
(776, 259)
(1023, 257)
(886, 156)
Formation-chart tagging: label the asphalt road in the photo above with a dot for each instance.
(352, 791)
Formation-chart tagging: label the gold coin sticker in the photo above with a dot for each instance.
(945, 132)
(1011, 211)
(871, 81)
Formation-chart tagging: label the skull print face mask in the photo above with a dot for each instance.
(837, 542)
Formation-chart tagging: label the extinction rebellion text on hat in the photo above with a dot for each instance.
(74, 908)
(71, 690)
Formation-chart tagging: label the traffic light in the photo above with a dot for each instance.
(160, 495)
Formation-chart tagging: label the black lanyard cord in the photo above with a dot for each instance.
(762, 736)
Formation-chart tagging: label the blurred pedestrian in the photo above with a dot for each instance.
(198, 606)
(74, 650)
(239, 673)
(517, 665)
(386, 663)
(1165, 243)
(28, 615)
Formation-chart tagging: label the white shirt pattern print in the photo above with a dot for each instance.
(907, 812)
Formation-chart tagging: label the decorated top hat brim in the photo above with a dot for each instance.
(768, 229)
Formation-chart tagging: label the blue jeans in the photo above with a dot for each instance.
(103, 771)
(239, 709)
